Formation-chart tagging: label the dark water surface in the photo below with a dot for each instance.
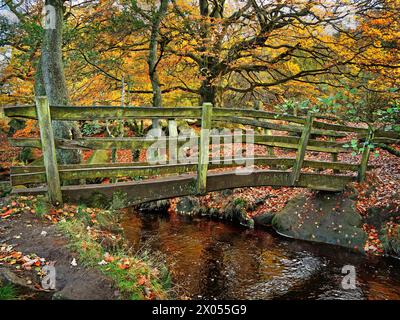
(215, 260)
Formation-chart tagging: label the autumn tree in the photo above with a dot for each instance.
(262, 44)
(49, 76)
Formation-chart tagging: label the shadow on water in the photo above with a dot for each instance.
(215, 260)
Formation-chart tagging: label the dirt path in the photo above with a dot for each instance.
(29, 234)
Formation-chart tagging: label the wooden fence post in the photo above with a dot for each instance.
(365, 157)
(204, 148)
(173, 141)
(334, 156)
(49, 151)
(301, 151)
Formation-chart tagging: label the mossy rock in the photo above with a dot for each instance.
(188, 206)
(159, 206)
(264, 219)
(235, 211)
(391, 241)
(327, 218)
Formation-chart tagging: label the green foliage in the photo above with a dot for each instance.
(291, 106)
(391, 240)
(97, 200)
(5, 189)
(26, 155)
(7, 292)
(390, 116)
(42, 206)
(91, 128)
(240, 202)
(119, 200)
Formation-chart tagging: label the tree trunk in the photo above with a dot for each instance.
(50, 77)
(153, 58)
(208, 89)
(208, 92)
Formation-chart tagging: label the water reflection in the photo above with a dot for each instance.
(214, 260)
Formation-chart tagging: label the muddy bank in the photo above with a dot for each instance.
(29, 234)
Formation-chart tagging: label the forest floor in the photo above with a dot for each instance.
(85, 245)
(28, 243)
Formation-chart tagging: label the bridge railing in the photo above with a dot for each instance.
(316, 136)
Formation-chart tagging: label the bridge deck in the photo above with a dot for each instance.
(182, 185)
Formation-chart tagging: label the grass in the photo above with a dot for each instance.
(7, 292)
(42, 206)
(137, 275)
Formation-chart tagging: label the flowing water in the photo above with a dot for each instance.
(215, 260)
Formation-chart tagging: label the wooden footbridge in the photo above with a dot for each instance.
(307, 134)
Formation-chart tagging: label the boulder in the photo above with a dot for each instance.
(188, 206)
(236, 211)
(324, 217)
(160, 206)
(264, 220)
(390, 238)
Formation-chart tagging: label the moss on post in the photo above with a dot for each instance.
(365, 157)
(49, 150)
(301, 151)
(204, 148)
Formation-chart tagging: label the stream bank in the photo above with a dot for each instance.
(91, 259)
(323, 217)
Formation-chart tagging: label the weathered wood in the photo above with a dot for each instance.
(277, 127)
(365, 157)
(164, 188)
(76, 113)
(27, 112)
(173, 142)
(270, 150)
(385, 140)
(32, 175)
(301, 152)
(49, 151)
(338, 127)
(334, 156)
(288, 142)
(204, 148)
(224, 112)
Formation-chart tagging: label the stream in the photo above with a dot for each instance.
(210, 259)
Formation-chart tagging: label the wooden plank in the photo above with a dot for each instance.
(224, 112)
(385, 140)
(173, 142)
(275, 126)
(365, 157)
(204, 148)
(27, 112)
(76, 113)
(334, 156)
(164, 188)
(288, 142)
(301, 152)
(49, 151)
(338, 127)
(34, 175)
